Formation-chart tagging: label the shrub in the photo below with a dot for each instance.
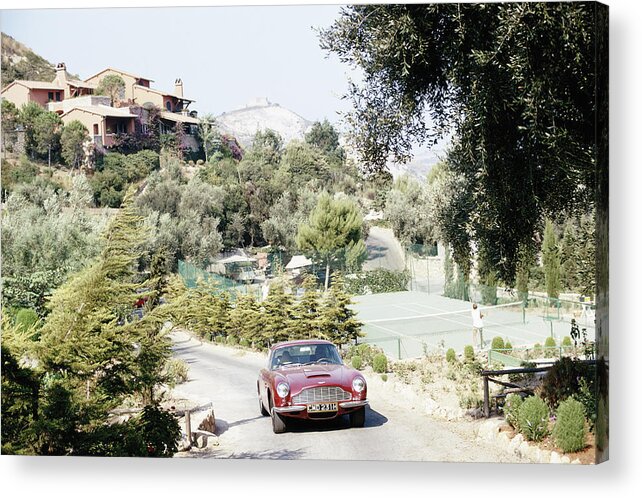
(567, 344)
(588, 398)
(569, 431)
(508, 346)
(511, 409)
(451, 356)
(365, 351)
(469, 353)
(549, 345)
(497, 343)
(26, 318)
(220, 339)
(160, 431)
(532, 418)
(232, 340)
(244, 343)
(384, 377)
(177, 372)
(563, 380)
(380, 363)
(537, 349)
(357, 362)
(378, 281)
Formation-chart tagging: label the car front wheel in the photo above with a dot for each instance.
(264, 412)
(278, 423)
(358, 417)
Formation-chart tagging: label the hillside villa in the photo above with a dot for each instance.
(74, 100)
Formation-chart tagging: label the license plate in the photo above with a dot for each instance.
(322, 407)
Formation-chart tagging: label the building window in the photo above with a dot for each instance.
(51, 96)
(57, 96)
(121, 127)
(168, 105)
(96, 129)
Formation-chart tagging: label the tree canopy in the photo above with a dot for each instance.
(512, 83)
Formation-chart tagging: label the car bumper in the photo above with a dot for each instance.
(301, 410)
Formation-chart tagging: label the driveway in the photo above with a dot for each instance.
(226, 377)
(384, 250)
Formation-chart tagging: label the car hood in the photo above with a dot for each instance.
(313, 375)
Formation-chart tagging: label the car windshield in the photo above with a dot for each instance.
(304, 354)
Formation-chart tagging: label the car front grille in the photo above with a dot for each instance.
(321, 394)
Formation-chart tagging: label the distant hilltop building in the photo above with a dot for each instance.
(74, 100)
(259, 114)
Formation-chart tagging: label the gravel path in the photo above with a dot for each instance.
(395, 429)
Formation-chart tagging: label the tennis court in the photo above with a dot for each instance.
(410, 324)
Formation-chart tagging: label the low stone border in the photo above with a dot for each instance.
(489, 431)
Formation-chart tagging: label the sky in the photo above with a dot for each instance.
(225, 55)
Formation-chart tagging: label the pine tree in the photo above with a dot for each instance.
(334, 231)
(337, 320)
(93, 352)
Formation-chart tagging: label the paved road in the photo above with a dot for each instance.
(227, 378)
(384, 250)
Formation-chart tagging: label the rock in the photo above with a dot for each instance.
(523, 449)
(516, 442)
(204, 439)
(565, 459)
(184, 444)
(555, 457)
(503, 439)
(208, 423)
(489, 429)
(576, 462)
(534, 453)
(431, 406)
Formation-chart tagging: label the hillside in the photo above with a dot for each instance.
(261, 114)
(19, 62)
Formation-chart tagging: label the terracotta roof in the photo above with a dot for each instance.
(36, 85)
(153, 90)
(103, 110)
(118, 71)
(81, 84)
(178, 118)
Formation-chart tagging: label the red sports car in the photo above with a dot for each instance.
(307, 380)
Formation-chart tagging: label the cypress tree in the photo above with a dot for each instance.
(246, 320)
(307, 311)
(568, 256)
(278, 315)
(551, 260)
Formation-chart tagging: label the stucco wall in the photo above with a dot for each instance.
(129, 81)
(17, 94)
(86, 118)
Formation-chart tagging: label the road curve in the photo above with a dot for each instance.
(227, 377)
(384, 250)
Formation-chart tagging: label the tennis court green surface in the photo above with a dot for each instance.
(410, 324)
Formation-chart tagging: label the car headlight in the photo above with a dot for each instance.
(282, 389)
(358, 384)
